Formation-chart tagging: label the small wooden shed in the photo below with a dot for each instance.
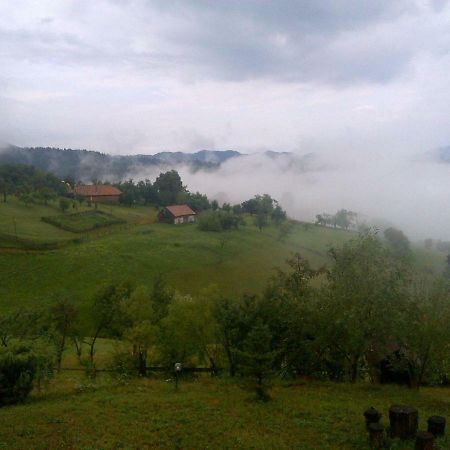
(177, 214)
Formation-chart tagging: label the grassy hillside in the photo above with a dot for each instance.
(236, 261)
(206, 413)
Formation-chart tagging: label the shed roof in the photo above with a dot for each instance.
(92, 190)
(180, 210)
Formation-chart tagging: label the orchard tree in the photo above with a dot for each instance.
(106, 313)
(63, 326)
(138, 321)
(169, 186)
(362, 301)
(256, 360)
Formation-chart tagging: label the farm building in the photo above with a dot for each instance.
(177, 214)
(98, 193)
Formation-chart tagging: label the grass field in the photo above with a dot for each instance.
(236, 261)
(73, 412)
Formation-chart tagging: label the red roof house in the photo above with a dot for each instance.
(98, 193)
(177, 214)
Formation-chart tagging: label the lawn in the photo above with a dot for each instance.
(74, 412)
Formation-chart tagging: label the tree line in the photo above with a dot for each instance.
(29, 183)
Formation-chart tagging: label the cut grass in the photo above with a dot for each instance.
(74, 412)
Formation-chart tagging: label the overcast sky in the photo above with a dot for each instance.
(143, 76)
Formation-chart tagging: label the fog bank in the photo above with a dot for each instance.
(411, 192)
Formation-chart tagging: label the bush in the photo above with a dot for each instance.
(20, 366)
(218, 220)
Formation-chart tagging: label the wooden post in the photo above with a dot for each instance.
(372, 416)
(404, 421)
(436, 426)
(376, 436)
(424, 441)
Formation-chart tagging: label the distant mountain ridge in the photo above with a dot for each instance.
(90, 165)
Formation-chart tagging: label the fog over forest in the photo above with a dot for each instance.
(383, 189)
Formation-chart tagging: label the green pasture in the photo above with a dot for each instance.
(138, 251)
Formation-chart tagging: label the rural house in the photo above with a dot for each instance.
(98, 193)
(177, 214)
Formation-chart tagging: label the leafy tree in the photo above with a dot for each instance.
(344, 219)
(364, 297)
(139, 328)
(105, 313)
(234, 318)
(278, 215)
(63, 325)
(423, 337)
(257, 358)
(183, 328)
(169, 186)
(21, 365)
(261, 220)
(161, 296)
(64, 204)
(198, 202)
(398, 242)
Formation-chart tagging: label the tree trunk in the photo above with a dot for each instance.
(354, 370)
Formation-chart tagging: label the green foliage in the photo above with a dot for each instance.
(169, 186)
(257, 358)
(398, 242)
(20, 365)
(218, 220)
(342, 219)
(63, 326)
(139, 327)
(363, 295)
(64, 204)
(21, 179)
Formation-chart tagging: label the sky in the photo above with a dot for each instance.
(361, 84)
(143, 76)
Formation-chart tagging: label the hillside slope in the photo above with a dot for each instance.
(139, 251)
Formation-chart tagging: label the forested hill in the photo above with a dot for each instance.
(89, 165)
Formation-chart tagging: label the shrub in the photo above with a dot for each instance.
(218, 220)
(20, 366)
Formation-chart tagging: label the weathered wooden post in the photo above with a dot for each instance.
(376, 435)
(404, 421)
(372, 416)
(424, 441)
(177, 369)
(436, 426)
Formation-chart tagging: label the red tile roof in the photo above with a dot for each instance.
(93, 190)
(180, 210)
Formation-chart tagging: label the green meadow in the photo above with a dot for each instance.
(139, 250)
(74, 411)
(205, 413)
